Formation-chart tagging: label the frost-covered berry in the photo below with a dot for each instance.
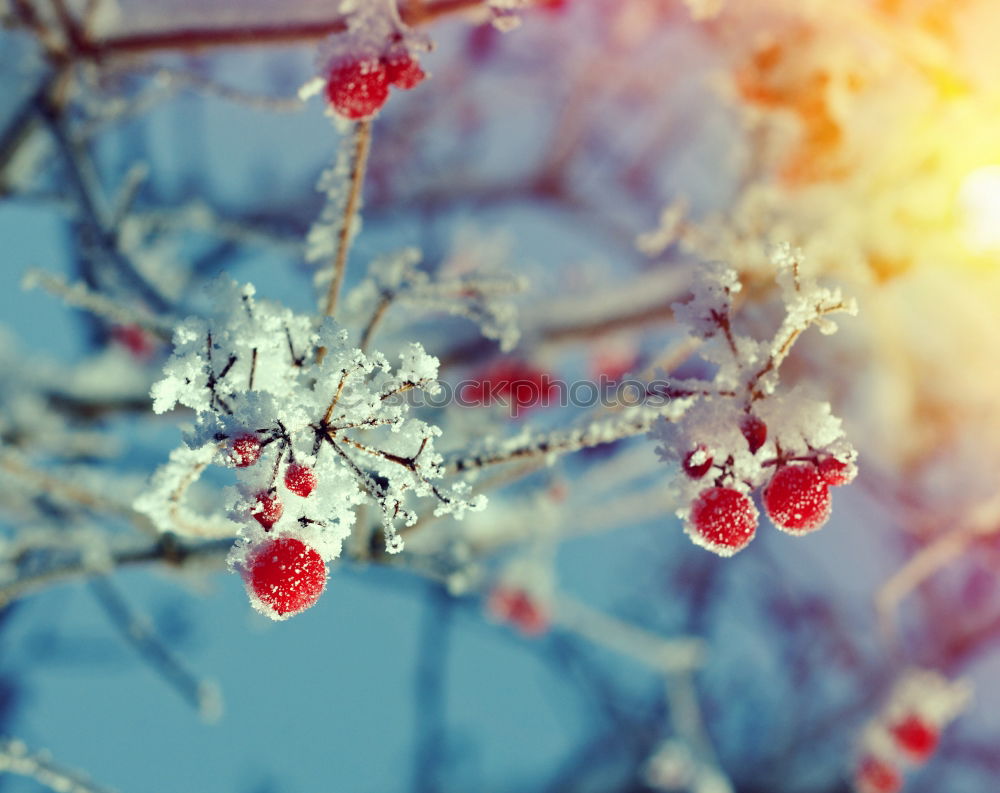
(697, 462)
(517, 607)
(875, 775)
(244, 450)
(267, 509)
(836, 472)
(300, 479)
(915, 737)
(722, 520)
(357, 89)
(755, 431)
(402, 70)
(285, 576)
(797, 499)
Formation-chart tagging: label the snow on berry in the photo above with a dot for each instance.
(251, 363)
(837, 472)
(797, 499)
(722, 520)
(359, 64)
(753, 428)
(284, 576)
(357, 89)
(877, 775)
(244, 450)
(697, 462)
(300, 479)
(267, 510)
(402, 70)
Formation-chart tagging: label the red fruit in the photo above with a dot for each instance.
(519, 609)
(300, 479)
(513, 382)
(267, 510)
(797, 499)
(357, 89)
(244, 450)
(755, 431)
(875, 775)
(135, 340)
(286, 575)
(402, 69)
(836, 472)
(915, 738)
(697, 462)
(722, 520)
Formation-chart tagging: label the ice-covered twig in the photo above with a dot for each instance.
(631, 422)
(361, 144)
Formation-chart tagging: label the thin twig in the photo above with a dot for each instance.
(201, 694)
(362, 145)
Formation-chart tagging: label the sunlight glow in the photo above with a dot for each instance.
(979, 203)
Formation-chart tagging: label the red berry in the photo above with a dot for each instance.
(357, 89)
(135, 340)
(402, 69)
(697, 462)
(515, 383)
(244, 450)
(722, 520)
(286, 575)
(876, 775)
(267, 509)
(797, 499)
(755, 431)
(300, 479)
(915, 737)
(836, 472)
(519, 609)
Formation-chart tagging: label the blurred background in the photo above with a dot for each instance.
(864, 131)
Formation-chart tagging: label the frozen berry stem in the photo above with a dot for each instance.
(362, 145)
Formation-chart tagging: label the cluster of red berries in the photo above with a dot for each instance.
(284, 573)
(518, 608)
(907, 730)
(358, 87)
(796, 499)
(914, 739)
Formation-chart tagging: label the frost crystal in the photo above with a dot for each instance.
(256, 369)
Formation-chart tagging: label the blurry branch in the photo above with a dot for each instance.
(98, 233)
(80, 295)
(16, 759)
(253, 35)
(201, 694)
(429, 692)
(168, 549)
(664, 655)
(983, 520)
(13, 464)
